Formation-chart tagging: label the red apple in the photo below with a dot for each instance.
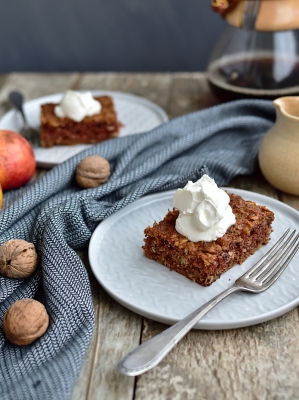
(17, 160)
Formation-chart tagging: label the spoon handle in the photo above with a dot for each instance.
(32, 135)
(16, 98)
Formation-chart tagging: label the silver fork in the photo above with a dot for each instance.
(257, 279)
(29, 133)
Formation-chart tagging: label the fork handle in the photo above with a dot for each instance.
(151, 352)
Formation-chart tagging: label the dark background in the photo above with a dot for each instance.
(107, 35)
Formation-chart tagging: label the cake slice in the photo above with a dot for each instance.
(92, 129)
(204, 262)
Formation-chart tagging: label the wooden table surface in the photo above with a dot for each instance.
(257, 362)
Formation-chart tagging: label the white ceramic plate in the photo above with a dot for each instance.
(152, 290)
(135, 113)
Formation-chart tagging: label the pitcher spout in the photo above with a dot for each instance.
(287, 107)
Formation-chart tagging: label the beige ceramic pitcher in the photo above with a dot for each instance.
(279, 150)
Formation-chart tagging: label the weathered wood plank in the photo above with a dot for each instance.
(34, 85)
(117, 330)
(289, 199)
(257, 362)
(154, 87)
(3, 78)
(255, 183)
(190, 92)
(121, 82)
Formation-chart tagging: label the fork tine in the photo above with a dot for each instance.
(283, 266)
(276, 254)
(263, 259)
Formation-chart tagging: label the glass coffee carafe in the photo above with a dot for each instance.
(252, 59)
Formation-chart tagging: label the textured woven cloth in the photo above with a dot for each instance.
(59, 217)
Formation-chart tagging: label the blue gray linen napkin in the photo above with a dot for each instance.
(59, 217)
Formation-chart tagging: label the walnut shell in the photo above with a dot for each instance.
(92, 171)
(25, 321)
(18, 259)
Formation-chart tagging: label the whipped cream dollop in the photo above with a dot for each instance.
(77, 106)
(205, 213)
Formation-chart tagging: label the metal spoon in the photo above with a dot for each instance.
(29, 133)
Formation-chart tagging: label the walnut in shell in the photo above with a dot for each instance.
(18, 259)
(92, 171)
(25, 321)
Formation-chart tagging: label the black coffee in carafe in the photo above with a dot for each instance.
(257, 63)
(261, 72)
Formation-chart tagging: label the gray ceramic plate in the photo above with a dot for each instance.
(152, 290)
(135, 113)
